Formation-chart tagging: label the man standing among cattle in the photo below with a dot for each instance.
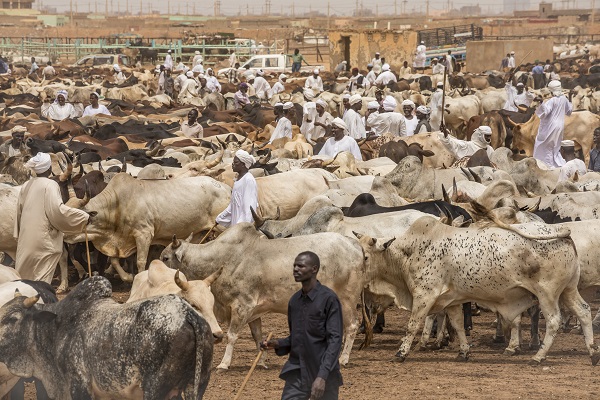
(315, 322)
(340, 141)
(12, 147)
(244, 194)
(41, 220)
(595, 152)
(573, 164)
(552, 124)
(480, 139)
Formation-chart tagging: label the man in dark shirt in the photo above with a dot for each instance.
(595, 152)
(315, 322)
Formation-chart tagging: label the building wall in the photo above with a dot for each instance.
(487, 55)
(395, 46)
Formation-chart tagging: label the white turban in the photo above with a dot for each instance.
(373, 105)
(65, 94)
(369, 65)
(278, 105)
(309, 94)
(260, 72)
(423, 110)
(189, 74)
(197, 52)
(282, 77)
(389, 103)
(339, 123)
(385, 67)
(555, 88)
(316, 71)
(346, 96)
(520, 84)
(116, 67)
(440, 84)
(40, 163)
(485, 130)
(250, 77)
(322, 103)
(567, 143)
(355, 99)
(287, 105)
(19, 128)
(245, 158)
(408, 102)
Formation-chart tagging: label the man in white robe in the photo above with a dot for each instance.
(435, 105)
(278, 86)
(511, 60)
(244, 194)
(42, 218)
(189, 90)
(284, 125)
(408, 107)
(168, 61)
(552, 114)
(480, 139)
(420, 57)
(371, 75)
(573, 164)
(197, 58)
(322, 121)
(232, 59)
(261, 86)
(356, 81)
(388, 121)
(212, 84)
(309, 114)
(95, 107)
(118, 74)
(436, 67)
(377, 63)
(386, 76)
(59, 109)
(240, 98)
(314, 82)
(340, 141)
(353, 120)
(517, 96)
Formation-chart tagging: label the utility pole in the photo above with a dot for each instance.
(217, 8)
(593, 16)
(268, 7)
(105, 7)
(356, 9)
(71, 11)
(169, 7)
(95, 7)
(328, 15)
(126, 7)
(293, 10)
(395, 8)
(427, 8)
(141, 12)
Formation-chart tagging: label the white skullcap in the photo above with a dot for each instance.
(40, 163)
(201, 76)
(344, 62)
(512, 52)
(422, 42)
(322, 103)
(408, 102)
(278, 105)
(377, 53)
(389, 103)
(520, 84)
(369, 65)
(316, 71)
(372, 105)
(355, 99)
(62, 93)
(185, 69)
(282, 77)
(189, 74)
(260, 72)
(486, 130)
(339, 123)
(197, 52)
(245, 158)
(423, 110)
(287, 105)
(208, 69)
(309, 94)
(168, 51)
(250, 77)
(19, 128)
(440, 84)
(567, 143)
(555, 88)
(346, 96)
(385, 67)
(116, 67)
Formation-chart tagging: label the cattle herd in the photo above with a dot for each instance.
(413, 227)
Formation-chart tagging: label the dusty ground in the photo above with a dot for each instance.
(371, 374)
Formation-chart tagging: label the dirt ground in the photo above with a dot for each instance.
(372, 375)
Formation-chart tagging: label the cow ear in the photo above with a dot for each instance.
(427, 153)
(388, 243)
(358, 235)
(44, 316)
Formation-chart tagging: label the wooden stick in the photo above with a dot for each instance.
(442, 125)
(258, 356)
(87, 249)
(208, 233)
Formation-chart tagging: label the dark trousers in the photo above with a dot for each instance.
(296, 67)
(293, 389)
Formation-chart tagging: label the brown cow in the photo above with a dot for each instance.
(494, 120)
(396, 151)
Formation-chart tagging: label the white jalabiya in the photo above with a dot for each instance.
(514, 99)
(314, 83)
(525, 98)
(390, 122)
(332, 147)
(119, 78)
(262, 88)
(178, 83)
(42, 218)
(371, 77)
(243, 196)
(466, 148)
(386, 77)
(449, 64)
(568, 170)
(189, 90)
(212, 84)
(168, 62)
(437, 69)
(319, 131)
(550, 133)
(283, 129)
(421, 56)
(277, 88)
(309, 113)
(411, 124)
(355, 124)
(435, 103)
(58, 112)
(89, 110)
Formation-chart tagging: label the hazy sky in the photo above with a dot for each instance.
(339, 7)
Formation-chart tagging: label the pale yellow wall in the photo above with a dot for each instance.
(487, 55)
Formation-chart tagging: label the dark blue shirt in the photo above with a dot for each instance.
(538, 69)
(594, 160)
(315, 341)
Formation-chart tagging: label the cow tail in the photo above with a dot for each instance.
(201, 371)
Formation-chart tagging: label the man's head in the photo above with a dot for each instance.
(242, 162)
(405, 64)
(41, 164)
(18, 134)
(296, 51)
(250, 79)
(369, 67)
(355, 102)
(449, 52)
(434, 61)
(408, 106)
(49, 63)
(321, 105)
(94, 97)
(507, 54)
(243, 87)
(210, 72)
(178, 59)
(512, 53)
(422, 112)
(346, 101)
(192, 116)
(520, 87)
(338, 128)
(377, 55)
(60, 98)
(278, 109)
(315, 73)
(567, 149)
(379, 95)
(354, 71)
(306, 267)
(32, 60)
(484, 132)
(288, 109)
(237, 65)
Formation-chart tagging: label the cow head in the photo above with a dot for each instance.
(373, 247)
(201, 168)
(405, 175)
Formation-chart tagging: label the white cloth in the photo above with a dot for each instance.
(232, 60)
(161, 83)
(319, 131)
(168, 62)
(198, 68)
(58, 112)
(119, 78)
(511, 61)
(41, 220)
(40, 163)
(245, 158)
(262, 88)
(332, 147)
(389, 122)
(525, 98)
(283, 129)
(449, 64)
(49, 71)
(568, 170)
(355, 124)
(386, 77)
(197, 59)
(314, 83)
(437, 69)
(353, 82)
(192, 131)
(420, 56)
(89, 110)
(243, 196)
(371, 77)
(212, 84)
(189, 90)
(277, 88)
(178, 82)
(466, 148)
(435, 104)
(410, 124)
(550, 133)
(405, 71)
(309, 114)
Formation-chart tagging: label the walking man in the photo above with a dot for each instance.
(315, 322)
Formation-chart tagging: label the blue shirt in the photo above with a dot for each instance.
(594, 160)
(538, 69)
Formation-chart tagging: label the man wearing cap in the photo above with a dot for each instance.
(436, 68)
(233, 74)
(181, 78)
(371, 75)
(573, 164)
(552, 114)
(450, 62)
(118, 74)
(278, 111)
(278, 86)
(511, 60)
(388, 121)
(420, 57)
(189, 89)
(595, 152)
(180, 65)
(261, 86)
(480, 139)
(314, 81)
(41, 220)
(356, 81)
(408, 107)
(340, 141)
(385, 77)
(284, 125)
(341, 67)
(423, 125)
(198, 68)
(322, 121)
(376, 62)
(197, 58)
(435, 105)
(212, 84)
(240, 98)
(168, 61)
(192, 128)
(233, 60)
(353, 120)
(95, 107)
(516, 97)
(59, 109)
(13, 147)
(244, 194)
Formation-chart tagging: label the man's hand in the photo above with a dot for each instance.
(318, 388)
(271, 344)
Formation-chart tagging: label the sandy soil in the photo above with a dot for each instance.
(371, 374)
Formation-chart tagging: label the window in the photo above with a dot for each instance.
(103, 60)
(271, 62)
(256, 63)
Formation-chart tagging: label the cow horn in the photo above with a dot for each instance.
(361, 142)
(258, 221)
(223, 144)
(475, 176)
(30, 301)
(467, 174)
(536, 206)
(66, 174)
(213, 277)
(183, 285)
(454, 190)
(511, 122)
(154, 151)
(17, 293)
(326, 163)
(87, 194)
(445, 194)
(216, 161)
(175, 242)
(100, 167)
(268, 234)
(123, 165)
(71, 189)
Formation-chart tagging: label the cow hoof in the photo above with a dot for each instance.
(577, 330)
(534, 363)
(445, 342)
(534, 346)
(499, 339)
(61, 290)
(596, 328)
(435, 346)
(461, 357)
(423, 348)
(399, 357)
(595, 358)
(512, 352)
(128, 278)
(222, 368)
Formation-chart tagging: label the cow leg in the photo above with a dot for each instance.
(514, 345)
(417, 317)
(350, 316)
(116, 265)
(596, 322)
(235, 326)
(256, 330)
(455, 315)
(499, 335)
(64, 272)
(534, 314)
(80, 270)
(552, 315)
(573, 300)
(468, 317)
(426, 334)
(143, 247)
